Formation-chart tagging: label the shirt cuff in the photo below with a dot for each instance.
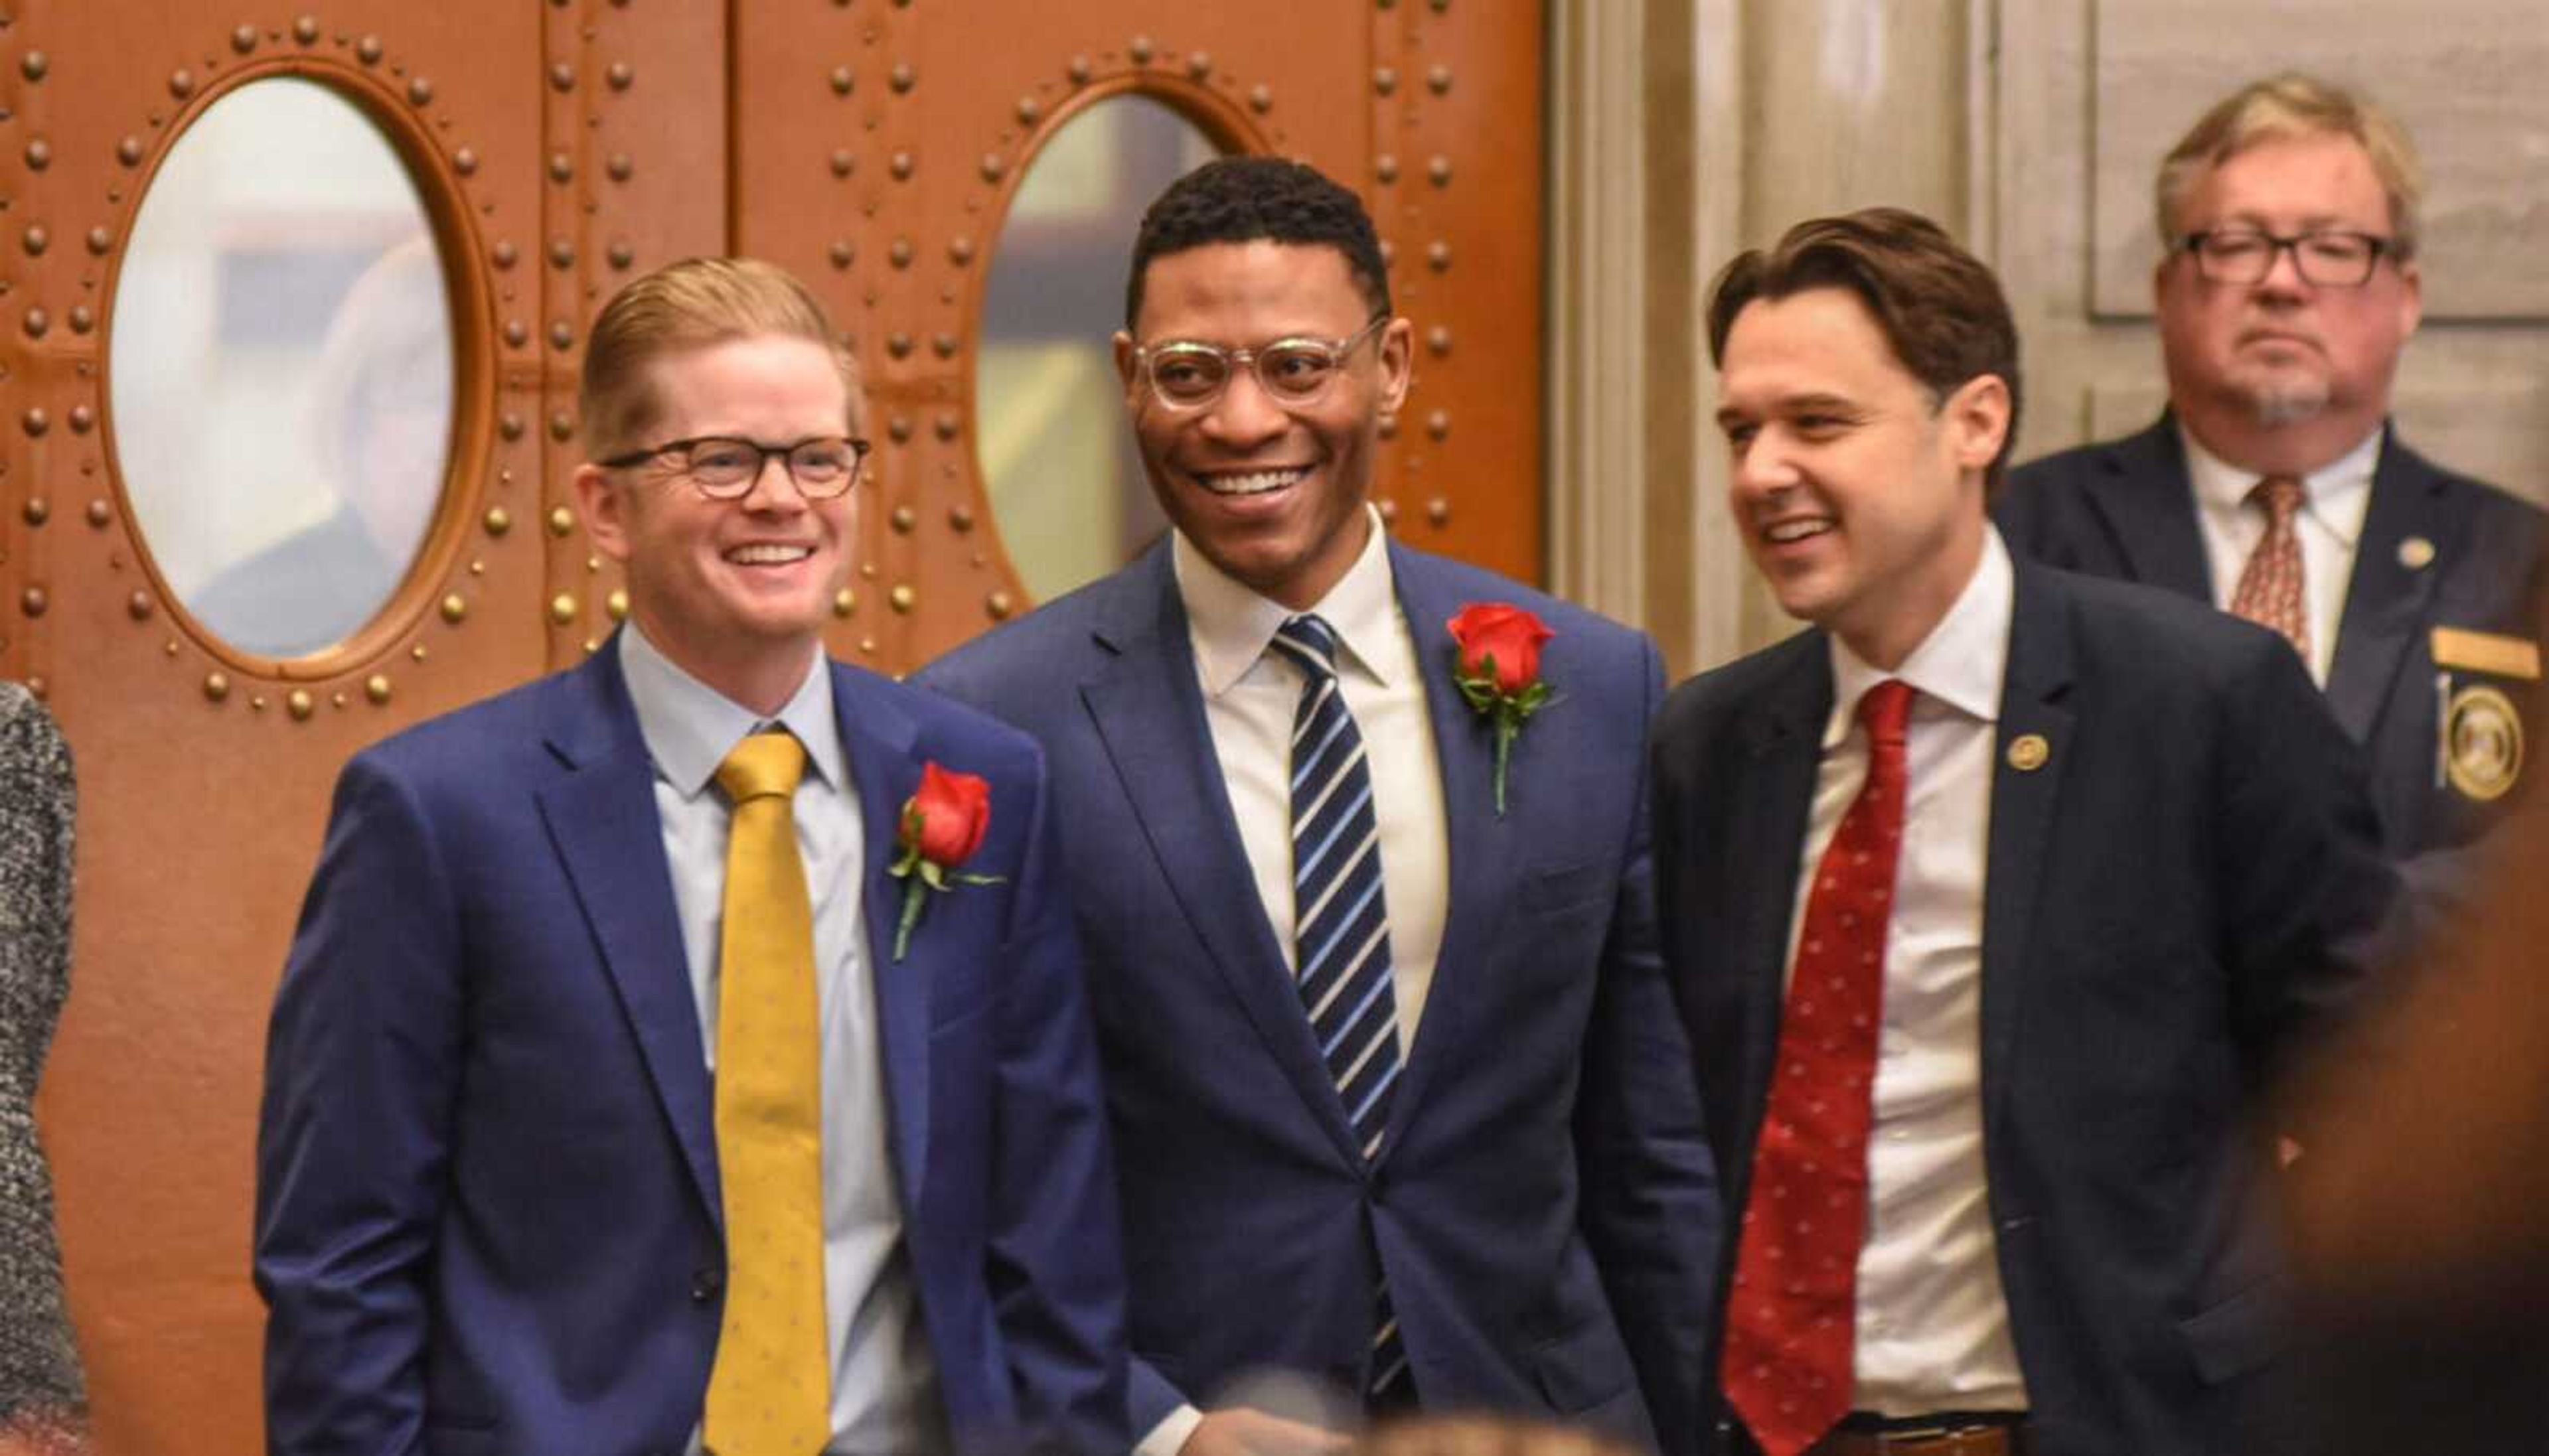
(1169, 1435)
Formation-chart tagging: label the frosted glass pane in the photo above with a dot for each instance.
(1056, 453)
(281, 369)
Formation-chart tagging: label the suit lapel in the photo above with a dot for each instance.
(2386, 600)
(1482, 854)
(2143, 496)
(885, 766)
(2024, 805)
(602, 817)
(1775, 791)
(1147, 708)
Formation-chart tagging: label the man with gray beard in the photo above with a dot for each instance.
(2274, 485)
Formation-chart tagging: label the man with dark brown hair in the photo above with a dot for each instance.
(1994, 901)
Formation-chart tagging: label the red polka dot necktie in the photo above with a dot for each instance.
(1790, 1320)
(2270, 585)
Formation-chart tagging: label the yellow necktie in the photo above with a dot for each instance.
(769, 1391)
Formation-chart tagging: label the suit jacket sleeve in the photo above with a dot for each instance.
(1057, 1273)
(1649, 1196)
(2306, 889)
(362, 1061)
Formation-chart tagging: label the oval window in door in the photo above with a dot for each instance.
(281, 369)
(1056, 455)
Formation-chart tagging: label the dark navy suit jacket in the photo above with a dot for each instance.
(487, 1217)
(2174, 904)
(1543, 1206)
(2126, 509)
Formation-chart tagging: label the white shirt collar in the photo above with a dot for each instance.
(1961, 662)
(2337, 494)
(1230, 623)
(690, 727)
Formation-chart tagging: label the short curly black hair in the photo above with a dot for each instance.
(1243, 199)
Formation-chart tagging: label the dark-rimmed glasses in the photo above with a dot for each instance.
(724, 468)
(1188, 373)
(2328, 258)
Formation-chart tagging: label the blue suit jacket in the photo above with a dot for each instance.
(2176, 902)
(2125, 509)
(1543, 1206)
(487, 1217)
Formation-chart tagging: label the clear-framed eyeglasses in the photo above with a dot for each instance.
(1188, 373)
(724, 468)
(2327, 258)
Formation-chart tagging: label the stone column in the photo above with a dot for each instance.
(1684, 130)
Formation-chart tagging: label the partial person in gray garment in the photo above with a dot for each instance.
(43, 1404)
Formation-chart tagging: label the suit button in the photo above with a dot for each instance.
(705, 1284)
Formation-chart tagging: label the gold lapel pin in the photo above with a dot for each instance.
(2027, 752)
(2415, 553)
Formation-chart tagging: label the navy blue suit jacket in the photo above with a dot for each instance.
(2174, 905)
(487, 1217)
(1543, 1205)
(2125, 509)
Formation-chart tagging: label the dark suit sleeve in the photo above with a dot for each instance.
(362, 1062)
(1056, 1274)
(1650, 1197)
(2306, 890)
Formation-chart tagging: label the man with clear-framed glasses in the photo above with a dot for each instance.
(1391, 1065)
(2275, 486)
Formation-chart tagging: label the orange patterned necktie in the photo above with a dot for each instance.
(2270, 585)
(770, 1390)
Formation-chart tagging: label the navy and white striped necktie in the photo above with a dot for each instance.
(1341, 928)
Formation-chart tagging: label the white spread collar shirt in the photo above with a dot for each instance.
(1932, 1322)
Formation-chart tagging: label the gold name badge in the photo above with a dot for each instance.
(2482, 742)
(2491, 653)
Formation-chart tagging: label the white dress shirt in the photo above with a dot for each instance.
(2330, 524)
(1932, 1328)
(885, 1384)
(1249, 698)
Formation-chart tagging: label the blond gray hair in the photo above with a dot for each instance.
(2282, 108)
(689, 304)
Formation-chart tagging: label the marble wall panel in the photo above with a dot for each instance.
(2461, 74)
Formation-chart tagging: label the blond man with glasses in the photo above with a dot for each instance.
(2275, 486)
(614, 1102)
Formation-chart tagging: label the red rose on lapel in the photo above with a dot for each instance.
(1500, 641)
(946, 819)
(1495, 660)
(943, 824)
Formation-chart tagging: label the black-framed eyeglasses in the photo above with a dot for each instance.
(1190, 373)
(2328, 257)
(724, 468)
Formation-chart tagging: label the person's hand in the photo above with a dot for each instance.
(1240, 1432)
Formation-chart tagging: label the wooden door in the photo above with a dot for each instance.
(556, 148)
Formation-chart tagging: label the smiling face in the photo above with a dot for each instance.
(1270, 492)
(736, 592)
(1858, 495)
(2284, 374)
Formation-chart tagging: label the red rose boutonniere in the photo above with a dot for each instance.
(942, 826)
(1496, 662)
